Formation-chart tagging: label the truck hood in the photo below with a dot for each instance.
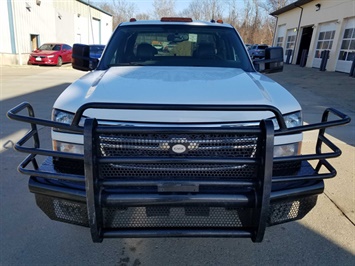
(176, 85)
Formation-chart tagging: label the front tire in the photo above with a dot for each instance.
(60, 61)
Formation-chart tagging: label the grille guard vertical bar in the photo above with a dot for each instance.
(93, 192)
(265, 177)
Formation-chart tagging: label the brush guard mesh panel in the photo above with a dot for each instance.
(172, 217)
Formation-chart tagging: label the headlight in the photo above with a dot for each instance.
(50, 56)
(65, 117)
(291, 120)
(62, 116)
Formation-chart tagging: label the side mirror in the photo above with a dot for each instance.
(81, 58)
(273, 62)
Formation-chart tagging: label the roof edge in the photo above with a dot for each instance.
(290, 7)
(86, 2)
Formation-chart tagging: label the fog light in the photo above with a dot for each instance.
(287, 150)
(68, 147)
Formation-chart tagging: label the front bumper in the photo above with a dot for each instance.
(148, 211)
(44, 61)
(116, 202)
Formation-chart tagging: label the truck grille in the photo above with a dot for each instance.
(159, 145)
(194, 146)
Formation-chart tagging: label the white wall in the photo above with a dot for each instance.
(5, 37)
(43, 20)
(335, 12)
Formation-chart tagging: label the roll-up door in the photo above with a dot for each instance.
(346, 53)
(96, 32)
(324, 42)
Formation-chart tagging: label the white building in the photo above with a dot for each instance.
(316, 26)
(26, 24)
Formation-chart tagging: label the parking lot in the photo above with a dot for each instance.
(326, 236)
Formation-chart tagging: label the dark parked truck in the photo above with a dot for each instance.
(189, 141)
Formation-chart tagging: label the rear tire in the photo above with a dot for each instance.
(60, 61)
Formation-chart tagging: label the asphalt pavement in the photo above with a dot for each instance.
(326, 236)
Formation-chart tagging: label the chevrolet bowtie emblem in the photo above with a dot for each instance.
(179, 148)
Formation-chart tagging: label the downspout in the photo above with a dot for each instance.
(90, 25)
(12, 27)
(298, 31)
(277, 21)
(15, 47)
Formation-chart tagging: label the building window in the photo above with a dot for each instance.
(279, 42)
(347, 49)
(325, 42)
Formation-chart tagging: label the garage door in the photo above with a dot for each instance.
(324, 42)
(96, 26)
(290, 43)
(280, 35)
(347, 48)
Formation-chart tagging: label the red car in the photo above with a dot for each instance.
(51, 54)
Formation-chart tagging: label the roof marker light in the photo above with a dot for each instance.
(132, 20)
(175, 19)
(220, 21)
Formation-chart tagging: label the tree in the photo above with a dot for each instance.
(254, 23)
(205, 9)
(193, 11)
(120, 9)
(232, 14)
(272, 5)
(142, 16)
(164, 8)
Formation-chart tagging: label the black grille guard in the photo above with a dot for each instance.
(99, 194)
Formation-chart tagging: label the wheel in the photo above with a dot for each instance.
(60, 61)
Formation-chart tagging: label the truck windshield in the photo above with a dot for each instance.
(175, 45)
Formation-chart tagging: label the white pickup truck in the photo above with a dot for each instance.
(185, 140)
